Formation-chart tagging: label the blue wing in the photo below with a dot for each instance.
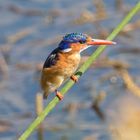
(52, 59)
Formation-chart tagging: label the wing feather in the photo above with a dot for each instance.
(52, 59)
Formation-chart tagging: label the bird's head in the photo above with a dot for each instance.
(77, 42)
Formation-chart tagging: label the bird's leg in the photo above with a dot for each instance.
(74, 78)
(59, 95)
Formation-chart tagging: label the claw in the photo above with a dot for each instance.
(59, 95)
(74, 78)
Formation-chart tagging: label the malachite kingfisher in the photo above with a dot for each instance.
(63, 61)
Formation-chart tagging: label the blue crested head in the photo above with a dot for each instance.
(71, 38)
(75, 37)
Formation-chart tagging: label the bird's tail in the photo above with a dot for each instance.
(45, 95)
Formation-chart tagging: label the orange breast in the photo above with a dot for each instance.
(68, 63)
(54, 76)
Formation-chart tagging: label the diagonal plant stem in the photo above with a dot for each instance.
(82, 70)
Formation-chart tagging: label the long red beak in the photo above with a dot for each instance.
(101, 42)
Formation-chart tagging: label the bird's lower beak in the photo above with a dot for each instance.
(100, 42)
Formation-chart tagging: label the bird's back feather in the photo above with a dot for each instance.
(51, 59)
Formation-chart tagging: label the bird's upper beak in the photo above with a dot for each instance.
(100, 42)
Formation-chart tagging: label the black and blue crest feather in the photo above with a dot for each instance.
(75, 37)
(72, 38)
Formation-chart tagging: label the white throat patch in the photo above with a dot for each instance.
(85, 48)
(67, 50)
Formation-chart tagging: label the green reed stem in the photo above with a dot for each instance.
(82, 70)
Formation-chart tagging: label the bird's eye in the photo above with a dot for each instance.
(82, 41)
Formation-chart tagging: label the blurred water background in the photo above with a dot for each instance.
(102, 105)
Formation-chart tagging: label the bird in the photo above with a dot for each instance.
(63, 61)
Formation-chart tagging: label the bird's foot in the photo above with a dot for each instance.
(59, 95)
(74, 78)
